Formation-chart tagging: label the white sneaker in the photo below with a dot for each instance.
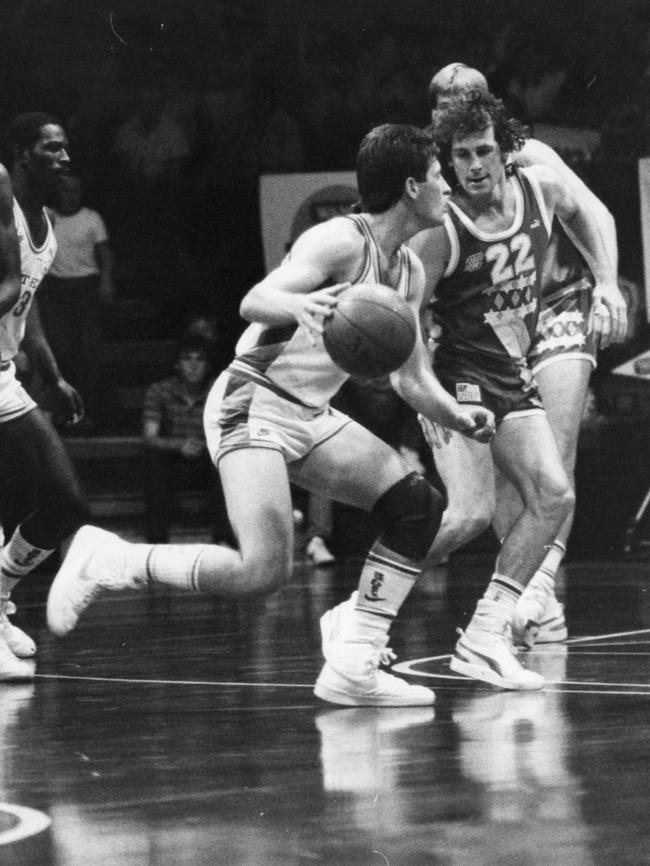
(13, 669)
(20, 644)
(351, 676)
(484, 652)
(318, 552)
(538, 618)
(93, 562)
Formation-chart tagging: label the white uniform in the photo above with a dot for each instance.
(35, 262)
(276, 392)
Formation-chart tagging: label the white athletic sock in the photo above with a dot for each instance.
(503, 593)
(17, 558)
(172, 564)
(544, 577)
(386, 579)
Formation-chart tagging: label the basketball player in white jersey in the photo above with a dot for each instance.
(268, 422)
(31, 452)
(578, 315)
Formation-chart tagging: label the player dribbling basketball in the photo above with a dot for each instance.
(269, 423)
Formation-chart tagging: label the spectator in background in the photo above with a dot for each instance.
(150, 154)
(176, 452)
(79, 284)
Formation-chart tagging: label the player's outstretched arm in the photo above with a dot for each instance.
(609, 314)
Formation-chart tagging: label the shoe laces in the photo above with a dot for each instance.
(379, 656)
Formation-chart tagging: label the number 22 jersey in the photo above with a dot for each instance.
(487, 303)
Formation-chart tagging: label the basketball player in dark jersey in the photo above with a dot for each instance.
(484, 274)
(268, 422)
(577, 316)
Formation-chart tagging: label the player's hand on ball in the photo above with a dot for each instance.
(316, 307)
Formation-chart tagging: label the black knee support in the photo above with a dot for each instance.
(410, 513)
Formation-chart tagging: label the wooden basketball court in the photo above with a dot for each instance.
(173, 729)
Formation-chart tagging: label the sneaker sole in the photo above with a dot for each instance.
(542, 634)
(487, 675)
(19, 677)
(347, 699)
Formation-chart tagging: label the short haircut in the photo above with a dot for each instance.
(388, 155)
(194, 343)
(25, 131)
(471, 112)
(453, 79)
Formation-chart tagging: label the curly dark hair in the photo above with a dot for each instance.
(470, 112)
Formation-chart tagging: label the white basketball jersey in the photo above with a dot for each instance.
(34, 264)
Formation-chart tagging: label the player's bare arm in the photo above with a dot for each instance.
(416, 383)
(10, 286)
(432, 248)
(327, 253)
(609, 305)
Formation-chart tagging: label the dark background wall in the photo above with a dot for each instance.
(289, 85)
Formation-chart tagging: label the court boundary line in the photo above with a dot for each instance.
(405, 668)
(30, 823)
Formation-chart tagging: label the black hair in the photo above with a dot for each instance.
(24, 132)
(194, 343)
(388, 156)
(472, 111)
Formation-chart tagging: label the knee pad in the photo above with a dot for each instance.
(410, 513)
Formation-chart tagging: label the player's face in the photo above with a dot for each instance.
(48, 160)
(478, 162)
(431, 202)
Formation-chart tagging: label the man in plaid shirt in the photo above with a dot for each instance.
(176, 451)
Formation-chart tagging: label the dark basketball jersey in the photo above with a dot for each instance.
(488, 301)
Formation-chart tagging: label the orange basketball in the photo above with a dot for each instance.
(371, 332)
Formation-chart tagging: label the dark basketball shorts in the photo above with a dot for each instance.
(505, 386)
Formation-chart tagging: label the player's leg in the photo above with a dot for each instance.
(355, 467)
(258, 499)
(525, 451)
(57, 507)
(563, 384)
(467, 471)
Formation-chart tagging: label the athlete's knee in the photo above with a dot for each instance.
(554, 496)
(410, 513)
(467, 520)
(265, 572)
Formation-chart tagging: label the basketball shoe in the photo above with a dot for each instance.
(19, 643)
(13, 669)
(94, 561)
(484, 652)
(538, 618)
(351, 676)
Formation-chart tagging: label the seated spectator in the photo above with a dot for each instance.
(176, 452)
(71, 297)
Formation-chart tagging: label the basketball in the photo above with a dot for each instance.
(371, 332)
